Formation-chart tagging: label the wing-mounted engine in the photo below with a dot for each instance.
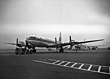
(24, 47)
(72, 43)
(20, 43)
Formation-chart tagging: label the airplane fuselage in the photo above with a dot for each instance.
(39, 42)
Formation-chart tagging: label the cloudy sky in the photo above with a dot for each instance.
(89, 19)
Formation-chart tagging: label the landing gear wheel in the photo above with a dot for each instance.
(27, 51)
(22, 50)
(34, 50)
(17, 51)
(61, 50)
(30, 50)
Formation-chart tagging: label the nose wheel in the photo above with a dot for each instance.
(25, 50)
(20, 50)
(34, 50)
(17, 51)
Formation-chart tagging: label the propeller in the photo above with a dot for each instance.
(70, 39)
(70, 42)
(56, 40)
(56, 44)
(26, 43)
(17, 42)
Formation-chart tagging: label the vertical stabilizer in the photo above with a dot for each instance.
(60, 39)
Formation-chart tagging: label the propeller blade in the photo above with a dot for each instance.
(17, 42)
(70, 38)
(26, 43)
(56, 40)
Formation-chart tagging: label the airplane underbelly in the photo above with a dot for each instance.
(39, 44)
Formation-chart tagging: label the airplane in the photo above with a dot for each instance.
(32, 42)
(95, 47)
(85, 47)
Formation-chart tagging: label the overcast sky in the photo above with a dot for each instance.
(89, 19)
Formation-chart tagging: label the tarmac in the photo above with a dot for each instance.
(84, 64)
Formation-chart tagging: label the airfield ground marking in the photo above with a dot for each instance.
(99, 68)
(81, 66)
(80, 63)
(55, 61)
(66, 64)
(89, 67)
(109, 70)
(71, 67)
(73, 64)
(61, 63)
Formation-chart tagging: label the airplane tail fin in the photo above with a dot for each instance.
(70, 38)
(60, 38)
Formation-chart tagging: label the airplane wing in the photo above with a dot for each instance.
(10, 43)
(89, 41)
(18, 43)
(74, 43)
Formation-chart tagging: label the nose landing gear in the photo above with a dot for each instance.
(20, 50)
(24, 50)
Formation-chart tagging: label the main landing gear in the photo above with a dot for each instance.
(61, 50)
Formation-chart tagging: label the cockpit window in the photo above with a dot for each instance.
(31, 38)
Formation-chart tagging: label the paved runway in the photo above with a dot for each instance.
(52, 65)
